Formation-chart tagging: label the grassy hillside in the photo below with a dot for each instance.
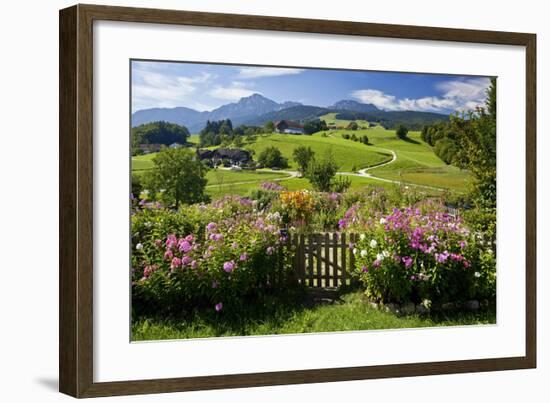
(416, 162)
(347, 154)
(330, 119)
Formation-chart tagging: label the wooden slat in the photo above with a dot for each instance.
(343, 245)
(353, 240)
(319, 259)
(302, 257)
(310, 246)
(335, 260)
(327, 260)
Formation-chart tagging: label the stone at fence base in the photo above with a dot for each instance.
(472, 305)
(407, 308)
(422, 309)
(391, 307)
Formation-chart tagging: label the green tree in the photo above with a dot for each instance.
(158, 133)
(269, 126)
(353, 126)
(303, 156)
(271, 157)
(178, 176)
(321, 173)
(401, 132)
(365, 139)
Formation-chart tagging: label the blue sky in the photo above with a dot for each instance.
(207, 86)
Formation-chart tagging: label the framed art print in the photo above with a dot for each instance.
(249, 201)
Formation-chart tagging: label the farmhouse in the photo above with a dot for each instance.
(288, 126)
(150, 148)
(236, 156)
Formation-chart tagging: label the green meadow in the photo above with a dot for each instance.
(415, 163)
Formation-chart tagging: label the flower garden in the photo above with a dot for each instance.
(227, 265)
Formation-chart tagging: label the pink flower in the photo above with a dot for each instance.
(171, 241)
(270, 250)
(168, 255)
(218, 306)
(376, 263)
(244, 257)
(211, 227)
(189, 238)
(215, 284)
(229, 266)
(364, 269)
(185, 260)
(194, 264)
(234, 245)
(176, 262)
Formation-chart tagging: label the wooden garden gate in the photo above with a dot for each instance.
(323, 260)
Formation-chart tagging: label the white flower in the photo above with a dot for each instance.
(383, 221)
(355, 251)
(139, 246)
(362, 237)
(379, 257)
(385, 253)
(364, 253)
(490, 251)
(477, 274)
(373, 243)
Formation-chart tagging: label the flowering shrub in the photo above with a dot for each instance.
(296, 207)
(412, 254)
(215, 257)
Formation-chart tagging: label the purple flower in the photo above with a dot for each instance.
(234, 245)
(376, 263)
(229, 266)
(194, 264)
(364, 269)
(408, 261)
(215, 284)
(211, 227)
(185, 260)
(184, 246)
(218, 306)
(244, 257)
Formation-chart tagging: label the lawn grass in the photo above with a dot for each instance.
(348, 155)
(274, 317)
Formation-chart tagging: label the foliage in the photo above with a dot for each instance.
(341, 184)
(178, 177)
(303, 156)
(421, 253)
(321, 173)
(296, 207)
(401, 132)
(269, 126)
(158, 133)
(271, 157)
(352, 126)
(314, 126)
(469, 142)
(215, 132)
(202, 264)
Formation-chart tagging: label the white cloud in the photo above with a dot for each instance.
(235, 91)
(151, 89)
(457, 95)
(257, 72)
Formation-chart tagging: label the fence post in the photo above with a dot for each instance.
(335, 259)
(319, 259)
(343, 245)
(310, 243)
(302, 259)
(352, 239)
(326, 261)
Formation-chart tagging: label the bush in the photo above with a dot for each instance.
(411, 255)
(271, 157)
(182, 261)
(401, 132)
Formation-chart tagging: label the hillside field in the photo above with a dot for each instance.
(415, 162)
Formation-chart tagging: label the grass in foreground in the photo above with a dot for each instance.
(276, 317)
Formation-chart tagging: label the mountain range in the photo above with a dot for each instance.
(257, 109)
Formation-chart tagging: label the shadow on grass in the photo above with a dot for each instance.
(409, 140)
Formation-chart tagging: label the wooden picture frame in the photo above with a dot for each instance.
(76, 201)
